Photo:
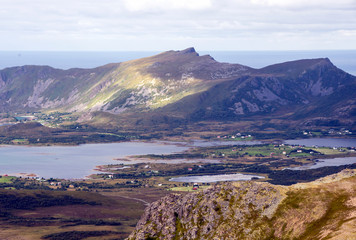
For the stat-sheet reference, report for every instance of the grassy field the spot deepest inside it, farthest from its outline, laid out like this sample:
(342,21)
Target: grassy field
(266,150)
(6,179)
(79,215)
(188,189)
(20,141)
(330,151)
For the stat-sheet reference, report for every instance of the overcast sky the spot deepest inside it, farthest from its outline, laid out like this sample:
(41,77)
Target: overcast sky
(155,25)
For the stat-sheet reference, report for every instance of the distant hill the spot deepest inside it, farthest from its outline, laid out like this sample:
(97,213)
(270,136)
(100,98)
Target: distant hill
(189,87)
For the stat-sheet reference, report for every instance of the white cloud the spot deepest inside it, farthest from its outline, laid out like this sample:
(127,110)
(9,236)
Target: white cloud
(305,3)
(149,5)
(348,33)
(158,24)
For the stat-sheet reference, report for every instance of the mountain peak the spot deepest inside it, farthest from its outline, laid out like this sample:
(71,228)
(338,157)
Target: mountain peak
(182,54)
(297,66)
(325,61)
(188,50)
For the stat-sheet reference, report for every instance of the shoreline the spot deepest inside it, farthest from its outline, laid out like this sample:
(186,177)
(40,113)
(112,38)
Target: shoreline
(187,142)
(134,159)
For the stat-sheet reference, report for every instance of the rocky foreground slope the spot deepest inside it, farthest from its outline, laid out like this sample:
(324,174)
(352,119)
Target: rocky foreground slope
(324,209)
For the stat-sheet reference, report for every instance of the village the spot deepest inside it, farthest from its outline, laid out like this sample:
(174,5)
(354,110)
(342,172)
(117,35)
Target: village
(199,161)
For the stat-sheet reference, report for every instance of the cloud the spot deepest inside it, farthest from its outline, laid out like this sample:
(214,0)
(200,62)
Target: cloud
(349,33)
(154,5)
(305,3)
(156,24)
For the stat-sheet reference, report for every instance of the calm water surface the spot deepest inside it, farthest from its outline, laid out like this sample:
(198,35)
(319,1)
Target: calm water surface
(200,143)
(215,178)
(73,161)
(79,161)
(327,163)
(324,142)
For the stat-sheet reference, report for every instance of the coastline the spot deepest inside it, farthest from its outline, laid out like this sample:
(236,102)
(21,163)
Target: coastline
(135,159)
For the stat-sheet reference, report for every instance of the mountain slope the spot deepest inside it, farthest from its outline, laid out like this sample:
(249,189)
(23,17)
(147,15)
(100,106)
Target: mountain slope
(324,209)
(305,88)
(41,87)
(143,84)
(188,86)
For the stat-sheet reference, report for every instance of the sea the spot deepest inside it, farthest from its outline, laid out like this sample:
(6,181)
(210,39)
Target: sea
(73,162)
(343,59)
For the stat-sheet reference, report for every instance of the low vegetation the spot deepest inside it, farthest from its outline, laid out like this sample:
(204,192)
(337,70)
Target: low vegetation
(318,210)
(53,214)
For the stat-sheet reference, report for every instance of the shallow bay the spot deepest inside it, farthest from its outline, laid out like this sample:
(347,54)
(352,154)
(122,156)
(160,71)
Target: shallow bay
(215,178)
(80,161)
(73,161)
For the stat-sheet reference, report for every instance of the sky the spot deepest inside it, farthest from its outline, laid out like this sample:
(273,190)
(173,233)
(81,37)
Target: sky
(159,25)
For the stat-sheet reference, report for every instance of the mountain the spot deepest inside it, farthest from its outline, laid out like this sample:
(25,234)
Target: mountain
(146,83)
(186,86)
(324,209)
(304,88)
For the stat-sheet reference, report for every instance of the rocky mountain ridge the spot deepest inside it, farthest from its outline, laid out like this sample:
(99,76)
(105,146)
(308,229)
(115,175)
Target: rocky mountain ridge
(184,84)
(143,83)
(250,210)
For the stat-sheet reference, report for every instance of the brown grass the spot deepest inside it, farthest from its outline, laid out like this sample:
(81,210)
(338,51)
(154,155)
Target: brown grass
(123,206)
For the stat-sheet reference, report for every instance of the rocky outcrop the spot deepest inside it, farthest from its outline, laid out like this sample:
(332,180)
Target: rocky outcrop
(251,210)
(221,212)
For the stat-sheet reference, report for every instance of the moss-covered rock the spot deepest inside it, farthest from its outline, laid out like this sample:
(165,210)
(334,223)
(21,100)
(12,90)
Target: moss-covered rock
(249,210)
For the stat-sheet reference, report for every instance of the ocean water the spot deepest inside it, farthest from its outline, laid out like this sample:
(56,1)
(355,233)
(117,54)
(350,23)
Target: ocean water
(73,161)
(79,161)
(343,59)
(332,162)
(66,60)
(215,178)
(323,142)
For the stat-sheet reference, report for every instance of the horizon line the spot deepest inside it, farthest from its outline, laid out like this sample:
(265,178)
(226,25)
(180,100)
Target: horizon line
(202,50)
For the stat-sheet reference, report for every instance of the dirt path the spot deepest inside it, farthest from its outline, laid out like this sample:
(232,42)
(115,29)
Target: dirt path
(137,199)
